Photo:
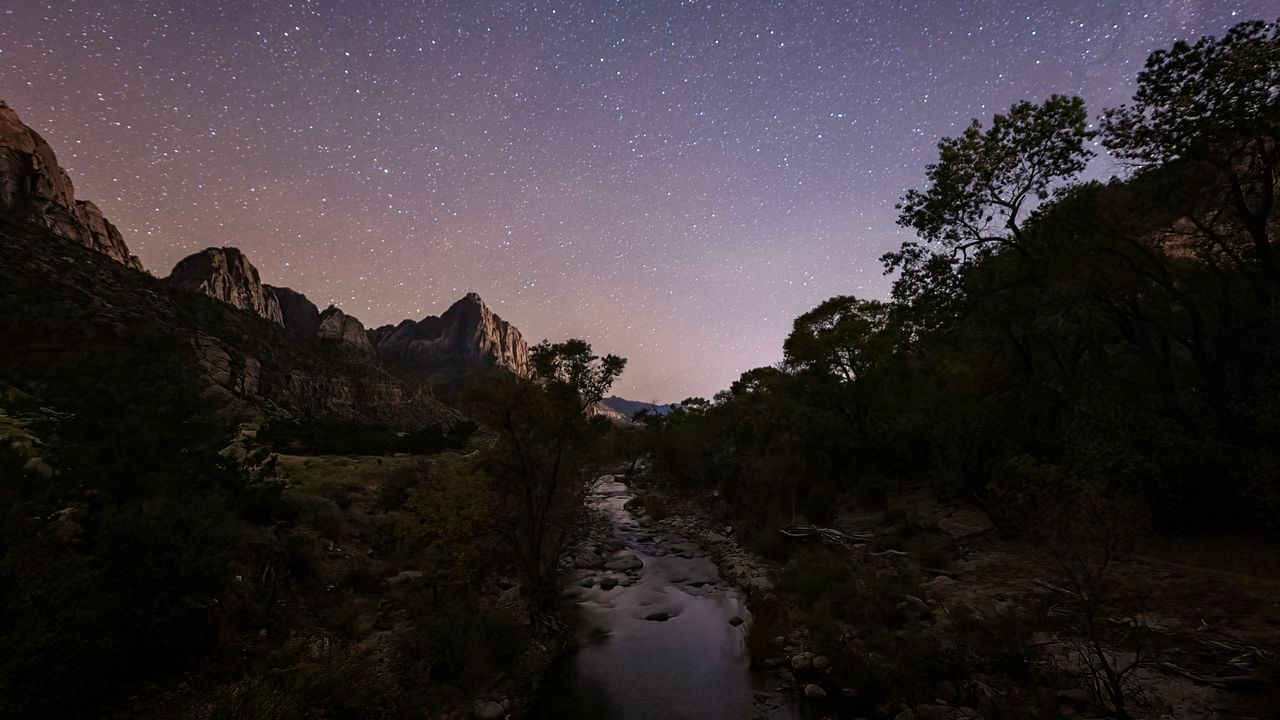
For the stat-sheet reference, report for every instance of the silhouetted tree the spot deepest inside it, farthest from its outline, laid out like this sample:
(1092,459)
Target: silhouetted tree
(541,459)
(1216,105)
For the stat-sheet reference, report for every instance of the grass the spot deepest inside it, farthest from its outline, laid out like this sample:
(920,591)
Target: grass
(338,477)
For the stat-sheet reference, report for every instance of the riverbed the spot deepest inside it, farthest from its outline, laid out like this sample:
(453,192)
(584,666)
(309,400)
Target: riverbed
(661,635)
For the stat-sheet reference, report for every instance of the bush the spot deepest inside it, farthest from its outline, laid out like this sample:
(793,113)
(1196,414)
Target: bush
(345,436)
(998,640)
(315,511)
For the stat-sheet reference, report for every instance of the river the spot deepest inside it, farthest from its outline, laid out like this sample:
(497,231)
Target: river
(665,643)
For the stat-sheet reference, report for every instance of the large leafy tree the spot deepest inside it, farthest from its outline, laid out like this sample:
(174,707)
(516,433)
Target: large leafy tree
(571,367)
(979,192)
(541,459)
(986,180)
(1214,104)
(840,337)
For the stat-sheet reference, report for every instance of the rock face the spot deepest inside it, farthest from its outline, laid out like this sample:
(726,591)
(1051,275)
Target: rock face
(226,274)
(468,336)
(339,327)
(36,190)
(301,316)
(244,368)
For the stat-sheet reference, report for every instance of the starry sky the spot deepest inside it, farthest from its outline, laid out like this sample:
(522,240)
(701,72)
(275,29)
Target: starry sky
(672,181)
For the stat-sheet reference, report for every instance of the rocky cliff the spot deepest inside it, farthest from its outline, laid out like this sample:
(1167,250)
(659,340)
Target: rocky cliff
(301,316)
(92,309)
(319,362)
(226,274)
(467,336)
(34,189)
(339,327)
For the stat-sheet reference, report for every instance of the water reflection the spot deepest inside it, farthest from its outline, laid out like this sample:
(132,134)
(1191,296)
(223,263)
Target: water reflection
(660,644)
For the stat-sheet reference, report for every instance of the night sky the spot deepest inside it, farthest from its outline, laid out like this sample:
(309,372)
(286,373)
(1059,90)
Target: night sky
(672,181)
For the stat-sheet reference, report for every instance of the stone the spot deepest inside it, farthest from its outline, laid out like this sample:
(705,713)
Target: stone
(915,604)
(226,275)
(624,562)
(608,583)
(933,712)
(821,663)
(946,690)
(490,710)
(735,621)
(658,617)
(404,576)
(801,661)
(588,583)
(813,692)
(587,560)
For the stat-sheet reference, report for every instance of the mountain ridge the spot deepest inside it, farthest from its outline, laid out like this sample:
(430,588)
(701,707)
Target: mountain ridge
(258,348)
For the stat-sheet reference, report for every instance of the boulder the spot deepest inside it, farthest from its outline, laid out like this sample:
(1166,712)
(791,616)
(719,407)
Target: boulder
(801,661)
(587,560)
(490,710)
(813,692)
(624,562)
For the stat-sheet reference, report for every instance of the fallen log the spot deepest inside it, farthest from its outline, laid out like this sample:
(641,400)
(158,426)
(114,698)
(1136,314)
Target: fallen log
(831,536)
(1221,681)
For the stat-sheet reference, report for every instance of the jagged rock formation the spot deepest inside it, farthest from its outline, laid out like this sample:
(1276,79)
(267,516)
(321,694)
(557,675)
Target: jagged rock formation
(246,367)
(339,327)
(36,190)
(226,274)
(628,408)
(301,316)
(467,336)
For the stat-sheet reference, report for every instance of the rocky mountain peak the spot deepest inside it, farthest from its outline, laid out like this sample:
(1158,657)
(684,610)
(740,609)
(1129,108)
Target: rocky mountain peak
(36,190)
(226,274)
(339,327)
(467,336)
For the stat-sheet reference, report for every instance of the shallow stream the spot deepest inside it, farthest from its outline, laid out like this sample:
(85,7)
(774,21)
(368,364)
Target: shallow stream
(666,641)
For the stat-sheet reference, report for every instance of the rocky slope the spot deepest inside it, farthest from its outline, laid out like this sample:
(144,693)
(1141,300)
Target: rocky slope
(467,336)
(34,189)
(342,329)
(93,308)
(259,348)
(301,316)
(226,274)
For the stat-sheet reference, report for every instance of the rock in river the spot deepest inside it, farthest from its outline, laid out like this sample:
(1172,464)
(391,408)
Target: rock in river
(813,692)
(624,562)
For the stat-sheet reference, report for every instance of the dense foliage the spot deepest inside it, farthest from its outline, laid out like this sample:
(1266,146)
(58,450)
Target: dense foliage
(1120,335)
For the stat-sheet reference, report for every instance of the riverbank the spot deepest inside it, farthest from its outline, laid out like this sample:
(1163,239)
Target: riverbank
(939,616)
